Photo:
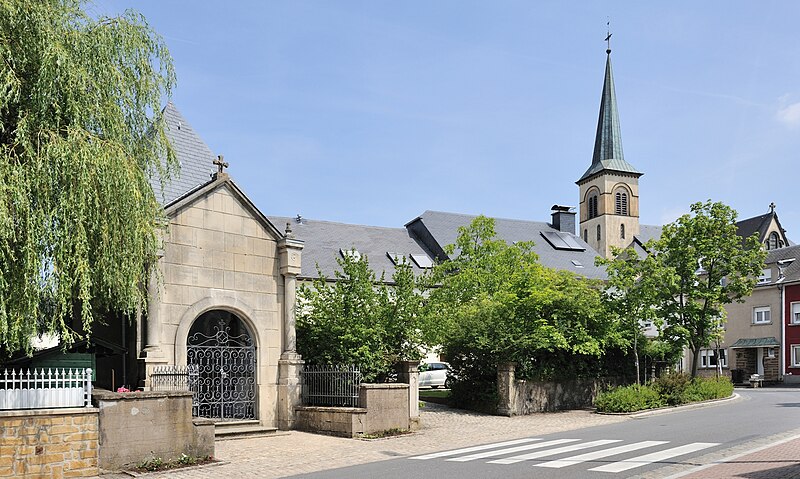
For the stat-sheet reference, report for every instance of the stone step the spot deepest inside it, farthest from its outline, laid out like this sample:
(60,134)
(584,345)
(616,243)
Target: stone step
(242,429)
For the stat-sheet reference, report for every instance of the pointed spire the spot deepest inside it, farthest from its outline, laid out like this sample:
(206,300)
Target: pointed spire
(608,140)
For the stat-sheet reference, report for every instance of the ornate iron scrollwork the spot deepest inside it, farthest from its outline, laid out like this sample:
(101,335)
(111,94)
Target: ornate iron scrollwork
(225,387)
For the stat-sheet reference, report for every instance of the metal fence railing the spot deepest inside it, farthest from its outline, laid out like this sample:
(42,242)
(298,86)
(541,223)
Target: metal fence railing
(45,388)
(177,378)
(329,385)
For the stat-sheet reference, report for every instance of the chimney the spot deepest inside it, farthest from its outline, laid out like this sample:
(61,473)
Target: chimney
(563,218)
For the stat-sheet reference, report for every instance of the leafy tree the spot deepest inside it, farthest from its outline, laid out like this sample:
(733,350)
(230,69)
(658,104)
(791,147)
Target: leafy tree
(697,266)
(499,304)
(79,135)
(628,298)
(358,319)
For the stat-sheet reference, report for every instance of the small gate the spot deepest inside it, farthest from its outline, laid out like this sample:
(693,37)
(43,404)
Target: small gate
(226,366)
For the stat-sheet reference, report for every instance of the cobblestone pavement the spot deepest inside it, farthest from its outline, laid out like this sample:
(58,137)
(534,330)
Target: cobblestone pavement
(773,457)
(442,428)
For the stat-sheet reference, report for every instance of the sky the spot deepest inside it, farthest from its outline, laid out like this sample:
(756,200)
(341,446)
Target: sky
(371,112)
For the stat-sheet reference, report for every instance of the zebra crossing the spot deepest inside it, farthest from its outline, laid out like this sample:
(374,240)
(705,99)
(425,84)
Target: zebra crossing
(532,449)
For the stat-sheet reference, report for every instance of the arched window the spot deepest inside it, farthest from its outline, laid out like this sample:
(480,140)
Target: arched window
(585,235)
(622,231)
(593,206)
(773,242)
(598,232)
(621,203)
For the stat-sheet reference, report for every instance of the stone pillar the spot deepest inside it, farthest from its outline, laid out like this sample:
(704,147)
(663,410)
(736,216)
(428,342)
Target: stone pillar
(409,374)
(290,364)
(152,355)
(506,389)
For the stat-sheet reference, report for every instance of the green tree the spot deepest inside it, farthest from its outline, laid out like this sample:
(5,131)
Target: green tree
(497,303)
(358,319)
(697,266)
(79,137)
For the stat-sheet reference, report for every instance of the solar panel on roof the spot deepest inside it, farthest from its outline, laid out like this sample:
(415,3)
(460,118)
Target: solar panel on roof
(562,241)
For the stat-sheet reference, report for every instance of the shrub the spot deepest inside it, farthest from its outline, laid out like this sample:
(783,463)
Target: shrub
(703,389)
(673,388)
(628,399)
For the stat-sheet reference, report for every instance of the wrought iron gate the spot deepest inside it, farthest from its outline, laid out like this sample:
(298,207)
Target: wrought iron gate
(226,382)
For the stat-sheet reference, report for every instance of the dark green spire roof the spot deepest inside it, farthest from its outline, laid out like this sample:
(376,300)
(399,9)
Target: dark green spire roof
(608,142)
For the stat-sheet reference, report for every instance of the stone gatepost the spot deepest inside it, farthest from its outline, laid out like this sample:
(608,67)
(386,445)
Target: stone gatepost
(290,364)
(409,374)
(506,389)
(152,355)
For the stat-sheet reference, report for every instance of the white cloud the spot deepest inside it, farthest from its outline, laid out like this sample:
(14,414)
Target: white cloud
(790,114)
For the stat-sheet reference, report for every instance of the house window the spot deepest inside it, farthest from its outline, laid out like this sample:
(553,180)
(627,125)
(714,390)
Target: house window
(766,276)
(598,232)
(621,203)
(795,318)
(770,352)
(621,231)
(593,206)
(709,358)
(796,355)
(761,315)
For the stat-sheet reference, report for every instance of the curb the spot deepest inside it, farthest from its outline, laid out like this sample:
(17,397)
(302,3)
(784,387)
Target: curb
(671,409)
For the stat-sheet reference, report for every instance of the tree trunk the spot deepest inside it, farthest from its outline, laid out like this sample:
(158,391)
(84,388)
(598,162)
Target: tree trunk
(695,357)
(636,357)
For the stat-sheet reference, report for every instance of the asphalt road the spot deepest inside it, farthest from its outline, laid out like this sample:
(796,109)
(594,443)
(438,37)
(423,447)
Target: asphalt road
(624,449)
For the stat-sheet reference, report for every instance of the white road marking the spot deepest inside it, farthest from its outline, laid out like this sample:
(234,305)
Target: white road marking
(553,452)
(501,452)
(467,450)
(654,457)
(591,456)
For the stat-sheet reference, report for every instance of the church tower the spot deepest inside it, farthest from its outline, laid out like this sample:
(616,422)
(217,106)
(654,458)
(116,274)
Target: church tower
(609,190)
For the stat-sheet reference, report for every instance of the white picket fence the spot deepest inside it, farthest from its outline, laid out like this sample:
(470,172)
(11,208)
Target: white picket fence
(40,388)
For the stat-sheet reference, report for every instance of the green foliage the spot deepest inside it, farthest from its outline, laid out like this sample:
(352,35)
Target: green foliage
(80,134)
(680,282)
(673,388)
(628,399)
(495,303)
(670,390)
(358,319)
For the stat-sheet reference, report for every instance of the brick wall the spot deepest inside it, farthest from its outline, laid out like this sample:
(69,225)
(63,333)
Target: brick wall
(49,443)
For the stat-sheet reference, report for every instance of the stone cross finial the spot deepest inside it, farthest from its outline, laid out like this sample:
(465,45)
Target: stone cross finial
(772,207)
(221,164)
(288,232)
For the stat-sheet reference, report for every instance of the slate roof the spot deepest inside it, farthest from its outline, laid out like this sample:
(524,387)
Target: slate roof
(792,271)
(324,239)
(194,156)
(437,229)
(608,140)
(646,233)
(756,224)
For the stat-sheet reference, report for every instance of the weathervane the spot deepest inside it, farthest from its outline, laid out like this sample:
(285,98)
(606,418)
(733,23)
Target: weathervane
(608,37)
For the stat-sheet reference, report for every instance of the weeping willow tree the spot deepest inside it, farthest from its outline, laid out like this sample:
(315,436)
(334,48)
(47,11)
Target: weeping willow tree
(80,136)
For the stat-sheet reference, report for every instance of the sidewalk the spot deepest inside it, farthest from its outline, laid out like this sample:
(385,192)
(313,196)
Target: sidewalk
(299,453)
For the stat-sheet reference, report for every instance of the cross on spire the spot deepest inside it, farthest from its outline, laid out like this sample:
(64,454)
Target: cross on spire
(221,164)
(772,207)
(608,37)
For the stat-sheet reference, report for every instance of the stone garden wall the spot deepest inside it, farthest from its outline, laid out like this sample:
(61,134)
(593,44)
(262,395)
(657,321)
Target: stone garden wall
(49,443)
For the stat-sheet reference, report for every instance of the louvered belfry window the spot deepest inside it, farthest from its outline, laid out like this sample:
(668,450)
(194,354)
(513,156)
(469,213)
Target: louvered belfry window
(621,203)
(592,206)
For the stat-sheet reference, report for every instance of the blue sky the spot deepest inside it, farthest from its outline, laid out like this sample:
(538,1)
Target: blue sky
(373,112)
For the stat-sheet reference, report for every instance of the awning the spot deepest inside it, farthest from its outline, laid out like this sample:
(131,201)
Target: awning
(756,343)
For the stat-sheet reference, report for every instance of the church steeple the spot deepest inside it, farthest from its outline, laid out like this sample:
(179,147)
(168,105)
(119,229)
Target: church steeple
(608,140)
(609,189)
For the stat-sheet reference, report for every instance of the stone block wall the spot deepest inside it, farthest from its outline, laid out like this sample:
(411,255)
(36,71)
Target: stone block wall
(384,407)
(136,426)
(49,443)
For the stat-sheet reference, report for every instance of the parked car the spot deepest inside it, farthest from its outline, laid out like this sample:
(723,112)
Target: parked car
(434,375)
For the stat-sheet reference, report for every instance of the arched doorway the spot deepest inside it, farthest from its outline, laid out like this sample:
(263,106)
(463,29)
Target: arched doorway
(220,348)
